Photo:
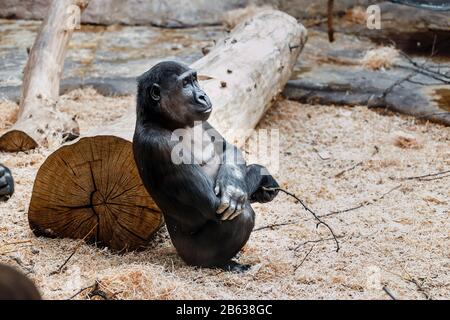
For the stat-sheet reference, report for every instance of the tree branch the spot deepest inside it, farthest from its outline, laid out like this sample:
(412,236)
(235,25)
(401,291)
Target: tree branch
(320,221)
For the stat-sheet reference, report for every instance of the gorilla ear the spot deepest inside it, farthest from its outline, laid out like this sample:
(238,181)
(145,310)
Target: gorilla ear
(155,92)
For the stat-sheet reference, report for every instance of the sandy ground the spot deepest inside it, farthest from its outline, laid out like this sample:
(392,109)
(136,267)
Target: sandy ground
(398,240)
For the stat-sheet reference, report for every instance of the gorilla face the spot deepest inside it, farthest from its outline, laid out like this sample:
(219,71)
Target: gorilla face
(170,90)
(194,98)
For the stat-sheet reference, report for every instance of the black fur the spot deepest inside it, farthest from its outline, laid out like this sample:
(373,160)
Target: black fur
(6,183)
(14,285)
(208,216)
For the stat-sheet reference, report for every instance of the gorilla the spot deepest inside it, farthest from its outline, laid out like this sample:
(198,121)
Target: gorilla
(14,285)
(199,181)
(6,183)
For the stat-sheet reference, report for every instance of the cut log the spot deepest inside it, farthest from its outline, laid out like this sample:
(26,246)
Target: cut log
(39,121)
(93,183)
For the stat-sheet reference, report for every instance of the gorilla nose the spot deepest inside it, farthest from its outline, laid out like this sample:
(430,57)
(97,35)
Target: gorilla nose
(203,99)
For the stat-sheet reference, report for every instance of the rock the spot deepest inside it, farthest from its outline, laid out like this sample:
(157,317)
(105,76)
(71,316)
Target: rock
(334,74)
(170,13)
(10,93)
(302,9)
(118,86)
(167,13)
(443,5)
(413,29)
(103,57)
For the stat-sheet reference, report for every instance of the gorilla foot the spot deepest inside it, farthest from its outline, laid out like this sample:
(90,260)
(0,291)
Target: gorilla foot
(233,266)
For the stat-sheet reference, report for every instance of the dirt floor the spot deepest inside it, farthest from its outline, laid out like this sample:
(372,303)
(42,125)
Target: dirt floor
(333,158)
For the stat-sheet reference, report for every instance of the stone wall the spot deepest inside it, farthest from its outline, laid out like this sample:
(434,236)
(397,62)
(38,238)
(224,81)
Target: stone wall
(169,13)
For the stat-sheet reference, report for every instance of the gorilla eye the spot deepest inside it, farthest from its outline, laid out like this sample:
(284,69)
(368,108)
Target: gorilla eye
(185,82)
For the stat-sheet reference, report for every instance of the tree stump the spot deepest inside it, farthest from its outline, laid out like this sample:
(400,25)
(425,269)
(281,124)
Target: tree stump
(96,186)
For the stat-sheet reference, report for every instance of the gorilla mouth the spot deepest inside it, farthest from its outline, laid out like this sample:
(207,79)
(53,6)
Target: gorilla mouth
(207,110)
(202,109)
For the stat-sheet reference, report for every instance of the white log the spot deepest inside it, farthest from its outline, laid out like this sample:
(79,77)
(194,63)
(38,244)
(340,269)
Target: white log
(38,120)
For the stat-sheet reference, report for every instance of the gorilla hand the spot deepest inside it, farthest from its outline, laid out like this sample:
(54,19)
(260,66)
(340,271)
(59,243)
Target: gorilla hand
(261,195)
(6,183)
(231,187)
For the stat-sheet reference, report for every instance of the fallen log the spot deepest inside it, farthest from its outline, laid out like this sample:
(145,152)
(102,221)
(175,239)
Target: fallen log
(39,121)
(93,183)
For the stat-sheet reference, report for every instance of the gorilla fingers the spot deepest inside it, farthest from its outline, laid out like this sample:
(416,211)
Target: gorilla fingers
(232,190)
(230,184)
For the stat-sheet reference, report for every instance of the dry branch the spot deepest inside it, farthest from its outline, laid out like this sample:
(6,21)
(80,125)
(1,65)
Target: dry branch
(425,176)
(319,221)
(362,204)
(275,225)
(73,253)
(389,293)
(95,180)
(304,258)
(314,241)
(330,5)
(39,122)
(357,164)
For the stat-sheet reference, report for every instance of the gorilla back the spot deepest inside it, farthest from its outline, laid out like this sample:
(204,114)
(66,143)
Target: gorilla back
(202,185)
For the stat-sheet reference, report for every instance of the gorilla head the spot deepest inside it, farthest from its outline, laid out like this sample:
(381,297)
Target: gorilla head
(170,94)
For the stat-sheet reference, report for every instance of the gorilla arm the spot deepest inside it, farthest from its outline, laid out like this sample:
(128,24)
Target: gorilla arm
(192,189)
(230,182)
(177,186)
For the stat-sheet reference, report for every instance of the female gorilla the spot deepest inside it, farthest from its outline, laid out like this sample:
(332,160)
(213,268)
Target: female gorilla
(199,181)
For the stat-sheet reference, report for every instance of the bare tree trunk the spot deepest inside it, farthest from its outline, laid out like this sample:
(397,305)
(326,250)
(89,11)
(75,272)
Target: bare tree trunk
(94,183)
(39,122)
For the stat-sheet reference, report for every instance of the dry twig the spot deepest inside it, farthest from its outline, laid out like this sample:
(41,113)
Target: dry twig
(314,241)
(80,291)
(274,225)
(330,6)
(427,71)
(310,211)
(363,204)
(74,251)
(358,164)
(304,258)
(97,292)
(10,244)
(389,293)
(423,177)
